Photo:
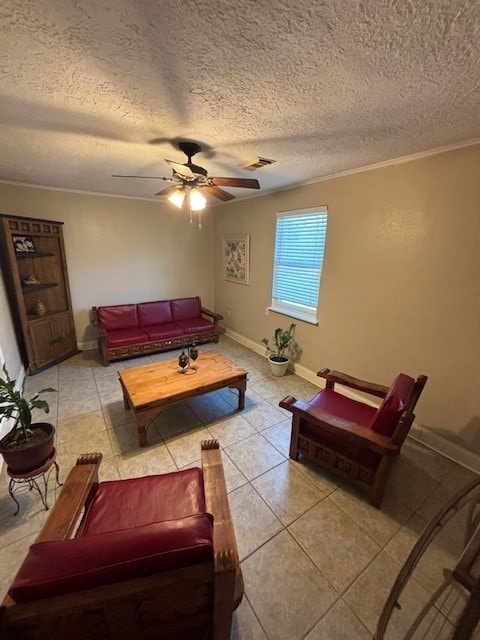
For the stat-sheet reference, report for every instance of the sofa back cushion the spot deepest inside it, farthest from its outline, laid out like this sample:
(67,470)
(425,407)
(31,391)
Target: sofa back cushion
(120,316)
(186,308)
(151,313)
(386,418)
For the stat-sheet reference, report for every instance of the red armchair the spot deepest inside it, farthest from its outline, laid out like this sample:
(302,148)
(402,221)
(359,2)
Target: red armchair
(152,557)
(354,440)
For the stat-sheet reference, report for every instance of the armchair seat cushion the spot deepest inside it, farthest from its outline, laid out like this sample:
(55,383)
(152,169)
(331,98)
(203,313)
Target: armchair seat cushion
(163,331)
(125,337)
(195,324)
(63,566)
(345,408)
(161,497)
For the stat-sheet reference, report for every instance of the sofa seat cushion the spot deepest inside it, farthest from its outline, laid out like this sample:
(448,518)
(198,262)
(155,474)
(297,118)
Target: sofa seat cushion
(186,308)
(59,567)
(163,331)
(152,313)
(125,337)
(195,324)
(345,408)
(162,497)
(121,316)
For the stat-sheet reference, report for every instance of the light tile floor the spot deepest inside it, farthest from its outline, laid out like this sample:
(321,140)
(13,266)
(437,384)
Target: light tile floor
(318,560)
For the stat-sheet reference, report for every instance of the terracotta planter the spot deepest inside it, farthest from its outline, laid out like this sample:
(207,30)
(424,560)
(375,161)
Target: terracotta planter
(25,459)
(278,365)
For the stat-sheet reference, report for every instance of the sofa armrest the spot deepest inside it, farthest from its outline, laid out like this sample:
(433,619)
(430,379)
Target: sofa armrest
(349,431)
(212,314)
(333,377)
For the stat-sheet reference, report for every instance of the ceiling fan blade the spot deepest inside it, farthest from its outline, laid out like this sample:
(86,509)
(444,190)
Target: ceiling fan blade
(167,191)
(181,169)
(218,193)
(245,183)
(115,175)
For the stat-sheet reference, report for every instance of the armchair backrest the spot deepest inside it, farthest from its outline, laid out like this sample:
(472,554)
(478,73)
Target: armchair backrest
(394,404)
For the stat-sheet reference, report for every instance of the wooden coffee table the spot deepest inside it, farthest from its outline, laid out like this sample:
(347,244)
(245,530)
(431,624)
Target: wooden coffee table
(150,388)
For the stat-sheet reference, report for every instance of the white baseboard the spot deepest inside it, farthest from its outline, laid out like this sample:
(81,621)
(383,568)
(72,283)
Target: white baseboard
(87,346)
(428,438)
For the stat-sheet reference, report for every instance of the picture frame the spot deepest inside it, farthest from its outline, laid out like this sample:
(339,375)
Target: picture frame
(236,259)
(23,244)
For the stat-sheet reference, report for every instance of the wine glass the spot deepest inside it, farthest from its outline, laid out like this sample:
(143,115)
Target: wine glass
(193,353)
(183,360)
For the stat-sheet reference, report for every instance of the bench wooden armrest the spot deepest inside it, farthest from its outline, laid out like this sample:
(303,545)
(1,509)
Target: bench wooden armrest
(333,377)
(212,314)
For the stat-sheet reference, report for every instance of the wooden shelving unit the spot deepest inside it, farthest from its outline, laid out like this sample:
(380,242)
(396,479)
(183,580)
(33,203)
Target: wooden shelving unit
(43,339)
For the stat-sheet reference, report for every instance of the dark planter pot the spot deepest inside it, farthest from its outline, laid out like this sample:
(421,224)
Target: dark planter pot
(32,457)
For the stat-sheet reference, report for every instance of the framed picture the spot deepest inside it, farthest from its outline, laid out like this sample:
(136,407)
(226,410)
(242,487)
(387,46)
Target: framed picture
(236,259)
(23,244)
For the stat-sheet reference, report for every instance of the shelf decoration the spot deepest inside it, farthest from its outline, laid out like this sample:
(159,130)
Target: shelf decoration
(236,251)
(23,244)
(40,308)
(32,279)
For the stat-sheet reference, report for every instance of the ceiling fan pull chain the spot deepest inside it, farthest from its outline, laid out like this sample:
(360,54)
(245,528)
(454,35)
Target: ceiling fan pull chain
(200,220)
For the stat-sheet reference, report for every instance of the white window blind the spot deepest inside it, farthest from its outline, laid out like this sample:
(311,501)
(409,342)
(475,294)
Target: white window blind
(299,251)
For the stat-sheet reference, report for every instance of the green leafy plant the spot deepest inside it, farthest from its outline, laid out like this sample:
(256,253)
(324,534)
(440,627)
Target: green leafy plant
(13,404)
(281,339)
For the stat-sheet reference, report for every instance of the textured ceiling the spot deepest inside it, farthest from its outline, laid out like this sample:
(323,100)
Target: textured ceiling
(94,87)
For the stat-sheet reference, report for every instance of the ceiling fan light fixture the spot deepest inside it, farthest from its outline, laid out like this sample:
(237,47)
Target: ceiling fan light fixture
(197,200)
(177,198)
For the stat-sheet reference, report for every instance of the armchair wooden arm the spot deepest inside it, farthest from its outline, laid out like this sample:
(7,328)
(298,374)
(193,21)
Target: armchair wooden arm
(74,497)
(349,431)
(333,377)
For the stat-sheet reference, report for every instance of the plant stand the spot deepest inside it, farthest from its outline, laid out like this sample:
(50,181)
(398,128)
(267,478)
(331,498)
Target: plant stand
(30,478)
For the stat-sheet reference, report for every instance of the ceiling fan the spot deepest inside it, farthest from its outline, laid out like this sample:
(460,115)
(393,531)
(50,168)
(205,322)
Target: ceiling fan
(189,178)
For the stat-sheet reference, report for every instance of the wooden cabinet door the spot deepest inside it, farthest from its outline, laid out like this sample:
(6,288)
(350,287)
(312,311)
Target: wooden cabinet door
(63,335)
(52,338)
(41,342)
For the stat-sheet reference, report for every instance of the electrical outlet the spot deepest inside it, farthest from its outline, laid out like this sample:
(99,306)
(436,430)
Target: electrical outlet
(228,313)
(266,311)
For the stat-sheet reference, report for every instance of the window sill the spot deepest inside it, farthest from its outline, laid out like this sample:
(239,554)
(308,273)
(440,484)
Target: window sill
(296,316)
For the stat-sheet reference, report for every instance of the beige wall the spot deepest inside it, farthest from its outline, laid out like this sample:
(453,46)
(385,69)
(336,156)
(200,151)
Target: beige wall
(401,282)
(120,250)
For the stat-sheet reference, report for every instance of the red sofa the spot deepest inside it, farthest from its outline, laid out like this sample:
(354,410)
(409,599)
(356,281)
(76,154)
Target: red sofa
(127,330)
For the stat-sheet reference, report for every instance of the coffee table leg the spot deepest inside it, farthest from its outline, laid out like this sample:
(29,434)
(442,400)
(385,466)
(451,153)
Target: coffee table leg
(125,402)
(241,399)
(142,431)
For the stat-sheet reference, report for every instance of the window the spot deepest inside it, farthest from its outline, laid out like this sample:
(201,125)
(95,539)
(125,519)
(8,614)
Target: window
(297,269)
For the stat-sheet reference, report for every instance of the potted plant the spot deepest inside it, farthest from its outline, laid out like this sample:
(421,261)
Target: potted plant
(28,444)
(277,358)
